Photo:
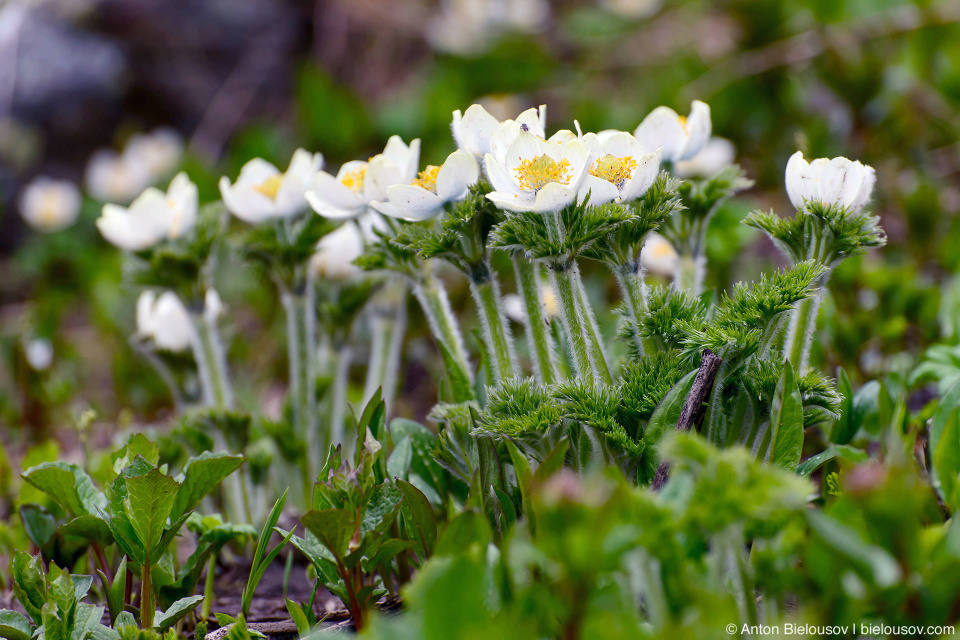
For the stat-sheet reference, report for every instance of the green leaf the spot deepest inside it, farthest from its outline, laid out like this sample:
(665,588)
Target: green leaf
(29,583)
(398,464)
(116,591)
(148,504)
(332,527)
(833,452)
(14,625)
(138,445)
(385,552)
(69,486)
(949,403)
(883,568)
(176,611)
(38,523)
(223,619)
(664,420)
(419,513)
(786,422)
(298,616)
(946,460)
(87,621)
(381,510)
(552,463)
(844,427)
(92,528)
(200,475)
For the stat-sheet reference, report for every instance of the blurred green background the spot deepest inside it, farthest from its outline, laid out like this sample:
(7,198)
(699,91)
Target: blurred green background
(874,80)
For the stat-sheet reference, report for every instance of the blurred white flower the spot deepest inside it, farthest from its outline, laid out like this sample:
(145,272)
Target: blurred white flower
(359,183)
(680,137)
(468,27)
(212,306)
(632,9)
(479,133)
(164,320)
(619,169)
(513,304)
(836,181)
(50,205)
(433,188)
(152,217)
(39,354)
(537,175)
(112,177)
(715,156)
(659,256)
(336,252)
(262,192)
(160,151)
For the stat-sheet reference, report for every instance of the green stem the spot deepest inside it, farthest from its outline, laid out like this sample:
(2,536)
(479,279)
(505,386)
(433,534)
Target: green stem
(496,331)
(147,605)
(341,383)
(301,347)
(572,319)
(803,322)
(630,278)
(432,297)
(208,588)
(598,359)
(691,270)
(535,325)
(388,327)
(211,363)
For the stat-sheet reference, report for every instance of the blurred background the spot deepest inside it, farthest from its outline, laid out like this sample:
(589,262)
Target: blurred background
(208,84)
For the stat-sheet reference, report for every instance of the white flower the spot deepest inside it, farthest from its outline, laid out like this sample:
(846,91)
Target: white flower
(537,175)
(262,192)
(659,256)
(336,252)
(112,177)
(467,27)
(39,354)
(433,188)
(152,217)
(164,320)
(513,304)
(479,133)
(836,181)
(359,183)
(680,137)
(715,156)
(633,9)
(212,306)
(619,169)
(50,205)
(160,151)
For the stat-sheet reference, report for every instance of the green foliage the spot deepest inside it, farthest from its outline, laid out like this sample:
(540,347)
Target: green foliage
(282,249)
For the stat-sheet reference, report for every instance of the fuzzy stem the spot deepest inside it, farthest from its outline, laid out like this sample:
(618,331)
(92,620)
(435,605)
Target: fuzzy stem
(301,347)
(572,320)
(496,331)
(341,383)
(691,270)
(217,357)
(208,588)
(388,328)
(432,297)
(803,323)
(598,359)
(630,278)
(535,324)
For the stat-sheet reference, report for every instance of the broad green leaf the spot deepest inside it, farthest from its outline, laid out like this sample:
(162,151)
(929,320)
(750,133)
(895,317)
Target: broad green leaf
(552,463)
(200,475)
(468,529)
(332,527)
(138,445)
(92,528)
(844,427)
(238,630)
(176,611)
(420,517)
(664,420)
(786,422)
(14,625)
(946,460)
(506,508)
(149,501)
(883,568)
(948,404)
(298,616)
(29,583)
(38,523)
(381,510)
(833,452)
(385,552)
(87,621)
(398,464)
(68,485)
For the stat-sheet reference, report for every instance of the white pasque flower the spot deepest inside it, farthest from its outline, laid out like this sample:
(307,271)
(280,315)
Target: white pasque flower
(680,137)
(536,174)
(832,181)
(715,156)
(263,192)
(433,188)
(152,217)
(468,27)
(50,205)
(479,133)
(39,353)
(358,183)
(619,169)
(336,252)
(164,320)
(160,151)
(114,177)
(659,256)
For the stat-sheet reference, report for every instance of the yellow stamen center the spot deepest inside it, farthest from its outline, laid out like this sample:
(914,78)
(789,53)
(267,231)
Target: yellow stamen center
(427,179)
(533,175)
(353,180)
(270,186)
(614,169)
(683,123)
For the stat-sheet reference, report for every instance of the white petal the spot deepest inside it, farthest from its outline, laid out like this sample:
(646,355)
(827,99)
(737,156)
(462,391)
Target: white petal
(800,181)
(328,193)
(840,182)
(662,129)
(500,178)
(698,129)
(145,324)
(512,201)
(553,197)
(474,131)
(599,190)
(535,123)
(643,177)
(714,157)
(245,203)
(382,172)
(183,203)
(456,175)
(413,203)
(290,200)
(866,187)
(562,136)
(621,144)
(173,329)
(526,147)
(256,171)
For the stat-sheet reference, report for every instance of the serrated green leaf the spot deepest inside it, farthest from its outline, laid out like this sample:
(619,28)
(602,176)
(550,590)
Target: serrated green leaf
(14,625)
(150,499)
(38,523)
(200,475)
(68,485)
(29,583)
(332,527)
(381,510)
